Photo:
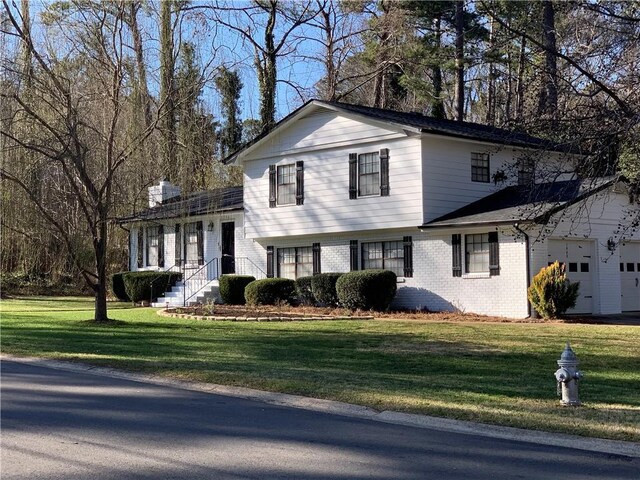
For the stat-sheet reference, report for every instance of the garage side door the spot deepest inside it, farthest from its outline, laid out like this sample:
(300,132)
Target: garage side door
(630,276)
(578,257)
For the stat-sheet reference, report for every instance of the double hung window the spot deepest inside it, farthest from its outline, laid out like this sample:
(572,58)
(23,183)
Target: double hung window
(386,255)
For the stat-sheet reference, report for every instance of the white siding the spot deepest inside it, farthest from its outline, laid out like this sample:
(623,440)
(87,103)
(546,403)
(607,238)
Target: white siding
(446,172)
(320,130)
(327,207)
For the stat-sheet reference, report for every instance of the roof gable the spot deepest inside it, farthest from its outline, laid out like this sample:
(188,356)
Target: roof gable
(403,121)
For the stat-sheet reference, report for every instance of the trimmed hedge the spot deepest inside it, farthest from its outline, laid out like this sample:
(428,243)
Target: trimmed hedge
(270,291)
(138,284)
(232,288)
(367,289)
(303,291)
(118,288)
(323,288)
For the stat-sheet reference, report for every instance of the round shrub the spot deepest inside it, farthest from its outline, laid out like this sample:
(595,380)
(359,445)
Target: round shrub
(142,286)
(551,293)
(232,288)
(270,291)
(117,287)
(367,289)
(323,288)
(303,291)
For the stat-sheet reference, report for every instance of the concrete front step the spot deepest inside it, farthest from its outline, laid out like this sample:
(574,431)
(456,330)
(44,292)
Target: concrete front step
(175,296)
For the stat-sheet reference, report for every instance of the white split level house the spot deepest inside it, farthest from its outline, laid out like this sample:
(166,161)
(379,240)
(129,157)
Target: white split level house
(463,213)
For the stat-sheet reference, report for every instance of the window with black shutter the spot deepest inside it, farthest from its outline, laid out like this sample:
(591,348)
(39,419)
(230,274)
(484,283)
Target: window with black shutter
(299,182)
(494,254)
(456,248)
(140,251)
(353,255)
(316,259)
(269,262)
(408,256)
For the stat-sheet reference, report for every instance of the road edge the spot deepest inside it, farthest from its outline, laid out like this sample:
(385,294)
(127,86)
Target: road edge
(610,447)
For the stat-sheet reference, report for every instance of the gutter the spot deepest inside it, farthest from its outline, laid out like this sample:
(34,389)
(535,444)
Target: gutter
(516,225)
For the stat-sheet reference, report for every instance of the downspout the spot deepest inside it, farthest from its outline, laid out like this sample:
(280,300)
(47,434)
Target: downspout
(516,226)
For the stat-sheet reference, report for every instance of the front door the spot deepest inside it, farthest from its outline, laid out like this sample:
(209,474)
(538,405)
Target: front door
(228,248)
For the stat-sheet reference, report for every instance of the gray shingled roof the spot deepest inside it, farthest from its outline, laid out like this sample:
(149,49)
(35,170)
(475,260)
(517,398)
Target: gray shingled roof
(452,128)
(199,203)
(522,204)
(426,124)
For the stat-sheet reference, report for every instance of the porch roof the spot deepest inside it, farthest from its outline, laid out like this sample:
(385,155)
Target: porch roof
(198,203)
(522,204)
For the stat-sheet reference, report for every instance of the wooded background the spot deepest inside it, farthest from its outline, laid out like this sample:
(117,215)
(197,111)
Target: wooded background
(102,99)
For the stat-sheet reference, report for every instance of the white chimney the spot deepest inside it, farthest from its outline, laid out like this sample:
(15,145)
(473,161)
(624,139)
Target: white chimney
(159,194)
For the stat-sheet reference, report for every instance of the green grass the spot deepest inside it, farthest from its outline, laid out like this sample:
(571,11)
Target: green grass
(491,373)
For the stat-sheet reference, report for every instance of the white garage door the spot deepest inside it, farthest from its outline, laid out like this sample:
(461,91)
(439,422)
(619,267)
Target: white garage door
(630,276)
(578,257)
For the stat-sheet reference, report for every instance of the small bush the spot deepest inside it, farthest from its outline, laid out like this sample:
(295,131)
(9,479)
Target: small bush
(138,284)
(323,288)
(118,288)
(551,293)
(232,288)
(270,291)
(367,289)
(303,291)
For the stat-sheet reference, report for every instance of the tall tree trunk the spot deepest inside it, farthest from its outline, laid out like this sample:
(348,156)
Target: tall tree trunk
(267,74)
(459,19)
(520,84)
(100,247)
(145,99)
(167,91)
(437,104)
(491,80)
(548,104)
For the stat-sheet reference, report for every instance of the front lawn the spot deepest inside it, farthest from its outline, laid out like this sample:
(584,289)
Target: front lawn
(500,373)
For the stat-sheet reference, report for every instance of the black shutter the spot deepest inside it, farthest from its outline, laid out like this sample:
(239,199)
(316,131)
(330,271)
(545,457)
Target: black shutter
(353,175)
(129,251)
(140,248)
(146,247)
(494,254)
(384,172)
(161,246)
(299,182)
(269,262)
(200,243)
(272,186)
(316,259)
(178,246)
(408,256)
(456,244)
(353,254)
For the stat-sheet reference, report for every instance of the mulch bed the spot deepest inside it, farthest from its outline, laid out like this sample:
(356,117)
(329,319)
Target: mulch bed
(264,313)
(289,313)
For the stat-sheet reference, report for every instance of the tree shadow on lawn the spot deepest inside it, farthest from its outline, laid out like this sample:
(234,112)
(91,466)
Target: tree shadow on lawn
(394,364)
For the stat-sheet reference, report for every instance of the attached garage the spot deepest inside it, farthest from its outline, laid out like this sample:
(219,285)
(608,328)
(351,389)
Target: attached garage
(630,276)
(578,256)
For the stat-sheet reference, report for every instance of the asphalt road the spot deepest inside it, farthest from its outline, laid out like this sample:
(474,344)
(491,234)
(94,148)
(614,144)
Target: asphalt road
(68,425)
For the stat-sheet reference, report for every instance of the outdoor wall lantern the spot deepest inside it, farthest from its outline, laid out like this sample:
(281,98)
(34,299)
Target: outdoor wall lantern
(211,226)
(611,244)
